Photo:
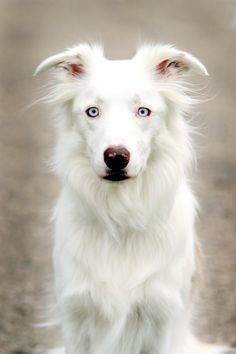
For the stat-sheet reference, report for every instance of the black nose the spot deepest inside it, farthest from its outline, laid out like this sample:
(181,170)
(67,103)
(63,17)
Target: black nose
(116,157)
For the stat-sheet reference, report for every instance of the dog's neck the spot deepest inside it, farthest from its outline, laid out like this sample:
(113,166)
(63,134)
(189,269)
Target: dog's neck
(127,206)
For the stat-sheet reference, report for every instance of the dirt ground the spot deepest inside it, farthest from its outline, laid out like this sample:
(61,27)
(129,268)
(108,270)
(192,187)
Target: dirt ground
(31,30)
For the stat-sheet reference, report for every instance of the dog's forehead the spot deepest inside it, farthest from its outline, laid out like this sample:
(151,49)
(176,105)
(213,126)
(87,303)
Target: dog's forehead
(125,76)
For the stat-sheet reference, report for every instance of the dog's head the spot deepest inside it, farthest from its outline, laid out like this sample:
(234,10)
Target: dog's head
(116,113)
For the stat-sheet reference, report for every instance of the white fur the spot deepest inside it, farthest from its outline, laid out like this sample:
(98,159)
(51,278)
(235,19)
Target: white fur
(124,251)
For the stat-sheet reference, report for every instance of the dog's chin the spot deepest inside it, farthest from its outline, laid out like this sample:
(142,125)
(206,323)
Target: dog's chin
(116,176)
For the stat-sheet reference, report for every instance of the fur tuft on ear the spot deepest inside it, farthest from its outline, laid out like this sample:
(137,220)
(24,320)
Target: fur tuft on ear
(73,60)
(62,60)
(170,62)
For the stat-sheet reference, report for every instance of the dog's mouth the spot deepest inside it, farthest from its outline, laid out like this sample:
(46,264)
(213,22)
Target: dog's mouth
(116,176)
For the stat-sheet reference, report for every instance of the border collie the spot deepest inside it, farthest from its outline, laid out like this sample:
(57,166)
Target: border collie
(124,254)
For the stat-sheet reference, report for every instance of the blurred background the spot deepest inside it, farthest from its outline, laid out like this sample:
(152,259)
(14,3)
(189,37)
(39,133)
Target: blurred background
(31,30)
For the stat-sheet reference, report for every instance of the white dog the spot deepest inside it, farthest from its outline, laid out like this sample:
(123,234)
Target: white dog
(124,251)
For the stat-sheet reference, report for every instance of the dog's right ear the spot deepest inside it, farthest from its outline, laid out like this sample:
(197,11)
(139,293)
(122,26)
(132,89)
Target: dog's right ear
(73,60)
(62,60)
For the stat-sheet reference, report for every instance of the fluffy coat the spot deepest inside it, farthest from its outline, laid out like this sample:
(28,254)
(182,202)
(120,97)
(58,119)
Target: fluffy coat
(124,254)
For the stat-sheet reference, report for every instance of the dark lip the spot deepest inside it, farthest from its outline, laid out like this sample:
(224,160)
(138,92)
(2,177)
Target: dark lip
(116,176)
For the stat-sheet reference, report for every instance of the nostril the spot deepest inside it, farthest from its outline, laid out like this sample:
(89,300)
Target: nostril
(116,157)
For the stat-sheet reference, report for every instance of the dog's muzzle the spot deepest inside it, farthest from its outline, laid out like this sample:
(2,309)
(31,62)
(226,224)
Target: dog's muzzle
(116,158)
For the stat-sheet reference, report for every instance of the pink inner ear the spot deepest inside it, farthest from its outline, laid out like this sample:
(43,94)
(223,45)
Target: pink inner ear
(163,66)
(168,66)
(75,69)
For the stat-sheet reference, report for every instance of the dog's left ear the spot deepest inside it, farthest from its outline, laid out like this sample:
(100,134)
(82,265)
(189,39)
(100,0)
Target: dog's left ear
(169,62)
(180,63)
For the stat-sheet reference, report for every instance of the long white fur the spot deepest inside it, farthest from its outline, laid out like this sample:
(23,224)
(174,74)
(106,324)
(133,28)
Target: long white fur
(124,251)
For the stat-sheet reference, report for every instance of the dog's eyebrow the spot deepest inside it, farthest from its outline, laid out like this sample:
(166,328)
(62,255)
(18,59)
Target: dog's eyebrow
(99,101)
(137,99)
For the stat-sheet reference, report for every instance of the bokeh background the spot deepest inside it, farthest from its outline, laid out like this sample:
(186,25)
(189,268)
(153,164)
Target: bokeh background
(31,30)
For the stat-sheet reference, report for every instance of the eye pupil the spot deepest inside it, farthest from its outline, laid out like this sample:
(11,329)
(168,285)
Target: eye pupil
(92,112)
(144,112)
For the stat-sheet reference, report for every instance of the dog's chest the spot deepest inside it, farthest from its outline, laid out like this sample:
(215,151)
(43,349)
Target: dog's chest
(125,288)
(148,267)
(117,279)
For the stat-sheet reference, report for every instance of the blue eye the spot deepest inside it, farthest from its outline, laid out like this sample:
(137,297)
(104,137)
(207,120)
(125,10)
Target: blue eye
(144,112)
(92,112)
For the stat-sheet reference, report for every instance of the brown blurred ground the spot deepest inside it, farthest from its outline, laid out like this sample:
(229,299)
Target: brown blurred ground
(30,30)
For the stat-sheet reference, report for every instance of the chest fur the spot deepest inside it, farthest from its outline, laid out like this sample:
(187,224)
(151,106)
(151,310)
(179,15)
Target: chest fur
(117,277)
